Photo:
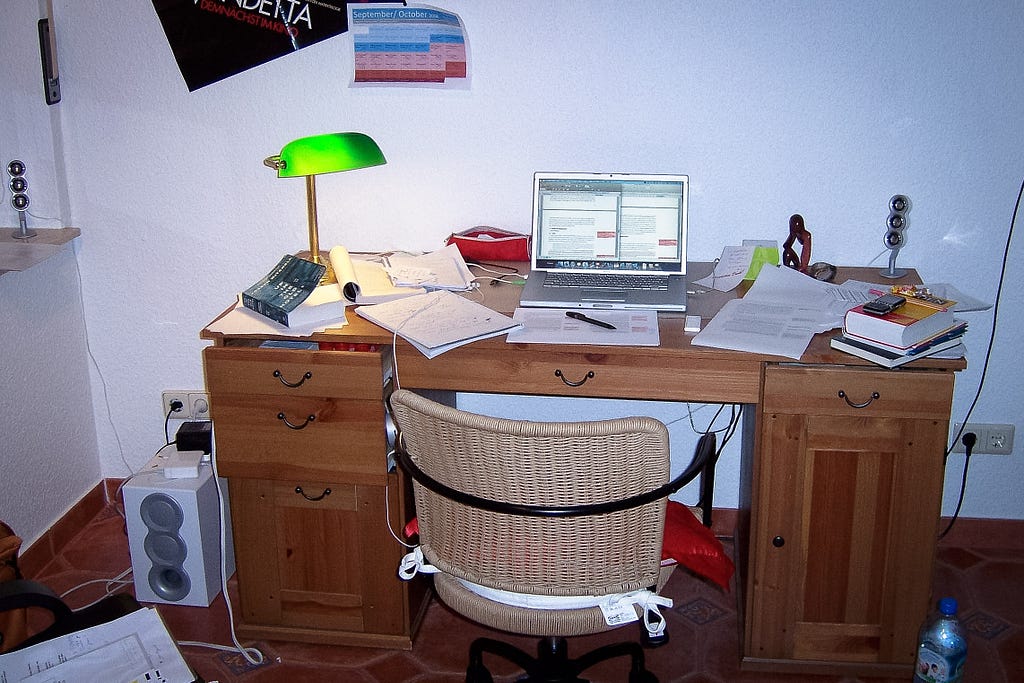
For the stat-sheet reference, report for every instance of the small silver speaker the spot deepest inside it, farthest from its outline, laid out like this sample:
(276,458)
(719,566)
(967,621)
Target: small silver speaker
(19,197)
(894,239)
(174,537)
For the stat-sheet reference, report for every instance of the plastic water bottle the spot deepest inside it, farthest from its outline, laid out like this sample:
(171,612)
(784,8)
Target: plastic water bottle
(942,648)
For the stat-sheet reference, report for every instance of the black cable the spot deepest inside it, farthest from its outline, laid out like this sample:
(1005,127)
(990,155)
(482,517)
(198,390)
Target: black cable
(984,368)
(969,439)
(167,420)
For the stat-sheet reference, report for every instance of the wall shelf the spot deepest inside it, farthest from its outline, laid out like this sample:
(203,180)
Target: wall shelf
(18,254)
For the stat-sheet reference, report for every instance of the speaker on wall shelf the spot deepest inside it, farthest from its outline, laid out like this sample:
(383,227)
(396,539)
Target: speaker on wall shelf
(19,197)
(174,537)
(893,239)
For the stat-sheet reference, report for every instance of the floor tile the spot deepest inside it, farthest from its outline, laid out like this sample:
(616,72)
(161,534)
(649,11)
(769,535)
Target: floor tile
(703,626)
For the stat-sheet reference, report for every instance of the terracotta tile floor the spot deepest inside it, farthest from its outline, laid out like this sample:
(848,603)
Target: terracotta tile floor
(989,583)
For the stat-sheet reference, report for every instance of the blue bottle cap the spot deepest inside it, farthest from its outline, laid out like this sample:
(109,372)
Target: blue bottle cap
(948,606)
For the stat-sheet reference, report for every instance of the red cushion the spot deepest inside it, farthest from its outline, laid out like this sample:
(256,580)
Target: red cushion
(694,546)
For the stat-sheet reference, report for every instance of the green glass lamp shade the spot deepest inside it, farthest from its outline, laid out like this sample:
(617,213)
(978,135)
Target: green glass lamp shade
(326,153)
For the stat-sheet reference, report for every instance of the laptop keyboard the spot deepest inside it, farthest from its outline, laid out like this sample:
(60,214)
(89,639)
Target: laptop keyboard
(605,281)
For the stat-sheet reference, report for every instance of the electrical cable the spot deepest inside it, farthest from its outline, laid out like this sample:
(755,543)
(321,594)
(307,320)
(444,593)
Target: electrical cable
(112,586)
(969,440)
(394,338)
(988,355)
(387,517)
(167,420)
(251,654)
(96,365)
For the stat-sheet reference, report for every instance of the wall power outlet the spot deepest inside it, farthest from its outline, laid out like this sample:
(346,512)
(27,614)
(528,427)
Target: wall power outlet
(993,439)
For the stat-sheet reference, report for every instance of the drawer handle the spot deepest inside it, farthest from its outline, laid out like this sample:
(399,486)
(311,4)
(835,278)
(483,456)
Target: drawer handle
(312,499)
(778,541)
(865,404)
(569,382)
(290,425)
(308,375)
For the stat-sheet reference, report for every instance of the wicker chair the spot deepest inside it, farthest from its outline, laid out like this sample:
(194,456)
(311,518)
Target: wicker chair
(528,525)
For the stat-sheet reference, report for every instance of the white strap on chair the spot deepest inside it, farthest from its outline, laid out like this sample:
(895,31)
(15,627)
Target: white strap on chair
(621,609)
(617,608)
(414,563)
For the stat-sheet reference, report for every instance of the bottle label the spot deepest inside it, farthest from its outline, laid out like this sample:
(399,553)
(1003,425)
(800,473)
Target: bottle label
(934,668)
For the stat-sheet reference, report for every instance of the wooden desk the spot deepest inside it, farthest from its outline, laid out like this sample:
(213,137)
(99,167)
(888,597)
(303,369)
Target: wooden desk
(841,480)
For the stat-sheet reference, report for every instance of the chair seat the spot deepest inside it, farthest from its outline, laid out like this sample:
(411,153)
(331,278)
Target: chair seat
(523,620)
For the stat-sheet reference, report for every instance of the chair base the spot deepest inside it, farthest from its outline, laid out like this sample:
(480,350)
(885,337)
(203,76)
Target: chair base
(552,663)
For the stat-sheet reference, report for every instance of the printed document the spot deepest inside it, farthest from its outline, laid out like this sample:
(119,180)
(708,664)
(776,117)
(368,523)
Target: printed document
(780,314)
(135,647)
(551,326)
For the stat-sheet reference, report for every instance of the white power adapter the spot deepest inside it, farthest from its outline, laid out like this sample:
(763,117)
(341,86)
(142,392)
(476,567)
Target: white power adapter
(182,465)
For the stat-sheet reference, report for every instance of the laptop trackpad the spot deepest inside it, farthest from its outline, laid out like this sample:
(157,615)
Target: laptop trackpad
(603,295)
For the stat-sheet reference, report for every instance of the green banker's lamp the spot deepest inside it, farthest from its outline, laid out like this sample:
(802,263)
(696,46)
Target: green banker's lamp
(329,153)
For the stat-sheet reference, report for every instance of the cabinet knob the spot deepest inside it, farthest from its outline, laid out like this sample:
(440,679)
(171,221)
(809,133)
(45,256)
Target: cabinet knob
(778,541)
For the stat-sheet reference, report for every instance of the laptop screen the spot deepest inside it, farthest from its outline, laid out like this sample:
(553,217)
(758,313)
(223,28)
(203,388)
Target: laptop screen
(607,222)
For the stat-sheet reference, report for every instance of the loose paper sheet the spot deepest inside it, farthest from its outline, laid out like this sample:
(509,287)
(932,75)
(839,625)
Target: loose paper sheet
(241,320)
(551,326)
(438,321)
(134,647)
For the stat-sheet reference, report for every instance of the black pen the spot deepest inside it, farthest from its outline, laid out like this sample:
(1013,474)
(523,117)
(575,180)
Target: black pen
(576,315)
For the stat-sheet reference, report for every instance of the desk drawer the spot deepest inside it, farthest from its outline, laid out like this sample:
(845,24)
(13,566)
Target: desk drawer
(275,437)
(293,372)
(867,392)
(619,373)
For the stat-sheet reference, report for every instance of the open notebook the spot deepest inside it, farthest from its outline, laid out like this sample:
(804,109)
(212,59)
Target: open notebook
(608,240)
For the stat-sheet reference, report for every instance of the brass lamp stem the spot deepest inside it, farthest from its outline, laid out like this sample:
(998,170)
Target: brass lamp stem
(314,236)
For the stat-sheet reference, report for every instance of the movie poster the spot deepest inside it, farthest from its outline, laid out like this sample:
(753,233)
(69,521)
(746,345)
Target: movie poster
(214,39)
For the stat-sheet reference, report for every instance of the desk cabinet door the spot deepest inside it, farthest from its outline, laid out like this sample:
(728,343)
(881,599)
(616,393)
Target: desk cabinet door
(319,564)
(848,491)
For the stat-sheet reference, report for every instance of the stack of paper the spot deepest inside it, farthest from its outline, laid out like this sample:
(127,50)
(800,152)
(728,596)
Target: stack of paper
(438,321)
(366,282)
(441,269)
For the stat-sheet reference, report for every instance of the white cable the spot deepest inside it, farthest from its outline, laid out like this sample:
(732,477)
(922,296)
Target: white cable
(387,519)
(394,338)
(251,654)
(103,381)
(112,586)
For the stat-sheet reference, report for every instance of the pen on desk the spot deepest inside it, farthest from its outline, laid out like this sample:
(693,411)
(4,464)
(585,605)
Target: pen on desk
(576,315)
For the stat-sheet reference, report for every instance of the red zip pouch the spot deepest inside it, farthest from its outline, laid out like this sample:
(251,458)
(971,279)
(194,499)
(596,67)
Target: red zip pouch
(484,243)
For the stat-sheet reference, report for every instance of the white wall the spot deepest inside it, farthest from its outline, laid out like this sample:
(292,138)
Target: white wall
(48,452)
(826,109)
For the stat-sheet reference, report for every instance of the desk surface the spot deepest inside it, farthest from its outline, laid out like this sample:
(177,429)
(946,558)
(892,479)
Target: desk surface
(675,370)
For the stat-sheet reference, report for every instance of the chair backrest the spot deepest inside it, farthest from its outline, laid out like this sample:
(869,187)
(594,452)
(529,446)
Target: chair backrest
(537,463)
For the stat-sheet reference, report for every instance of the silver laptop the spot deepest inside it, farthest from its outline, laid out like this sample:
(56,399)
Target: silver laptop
(608,240)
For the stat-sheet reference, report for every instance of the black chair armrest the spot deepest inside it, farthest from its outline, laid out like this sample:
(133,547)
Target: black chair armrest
(703,455)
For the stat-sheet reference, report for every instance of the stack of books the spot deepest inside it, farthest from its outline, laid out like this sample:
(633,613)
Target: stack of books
(917,329)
